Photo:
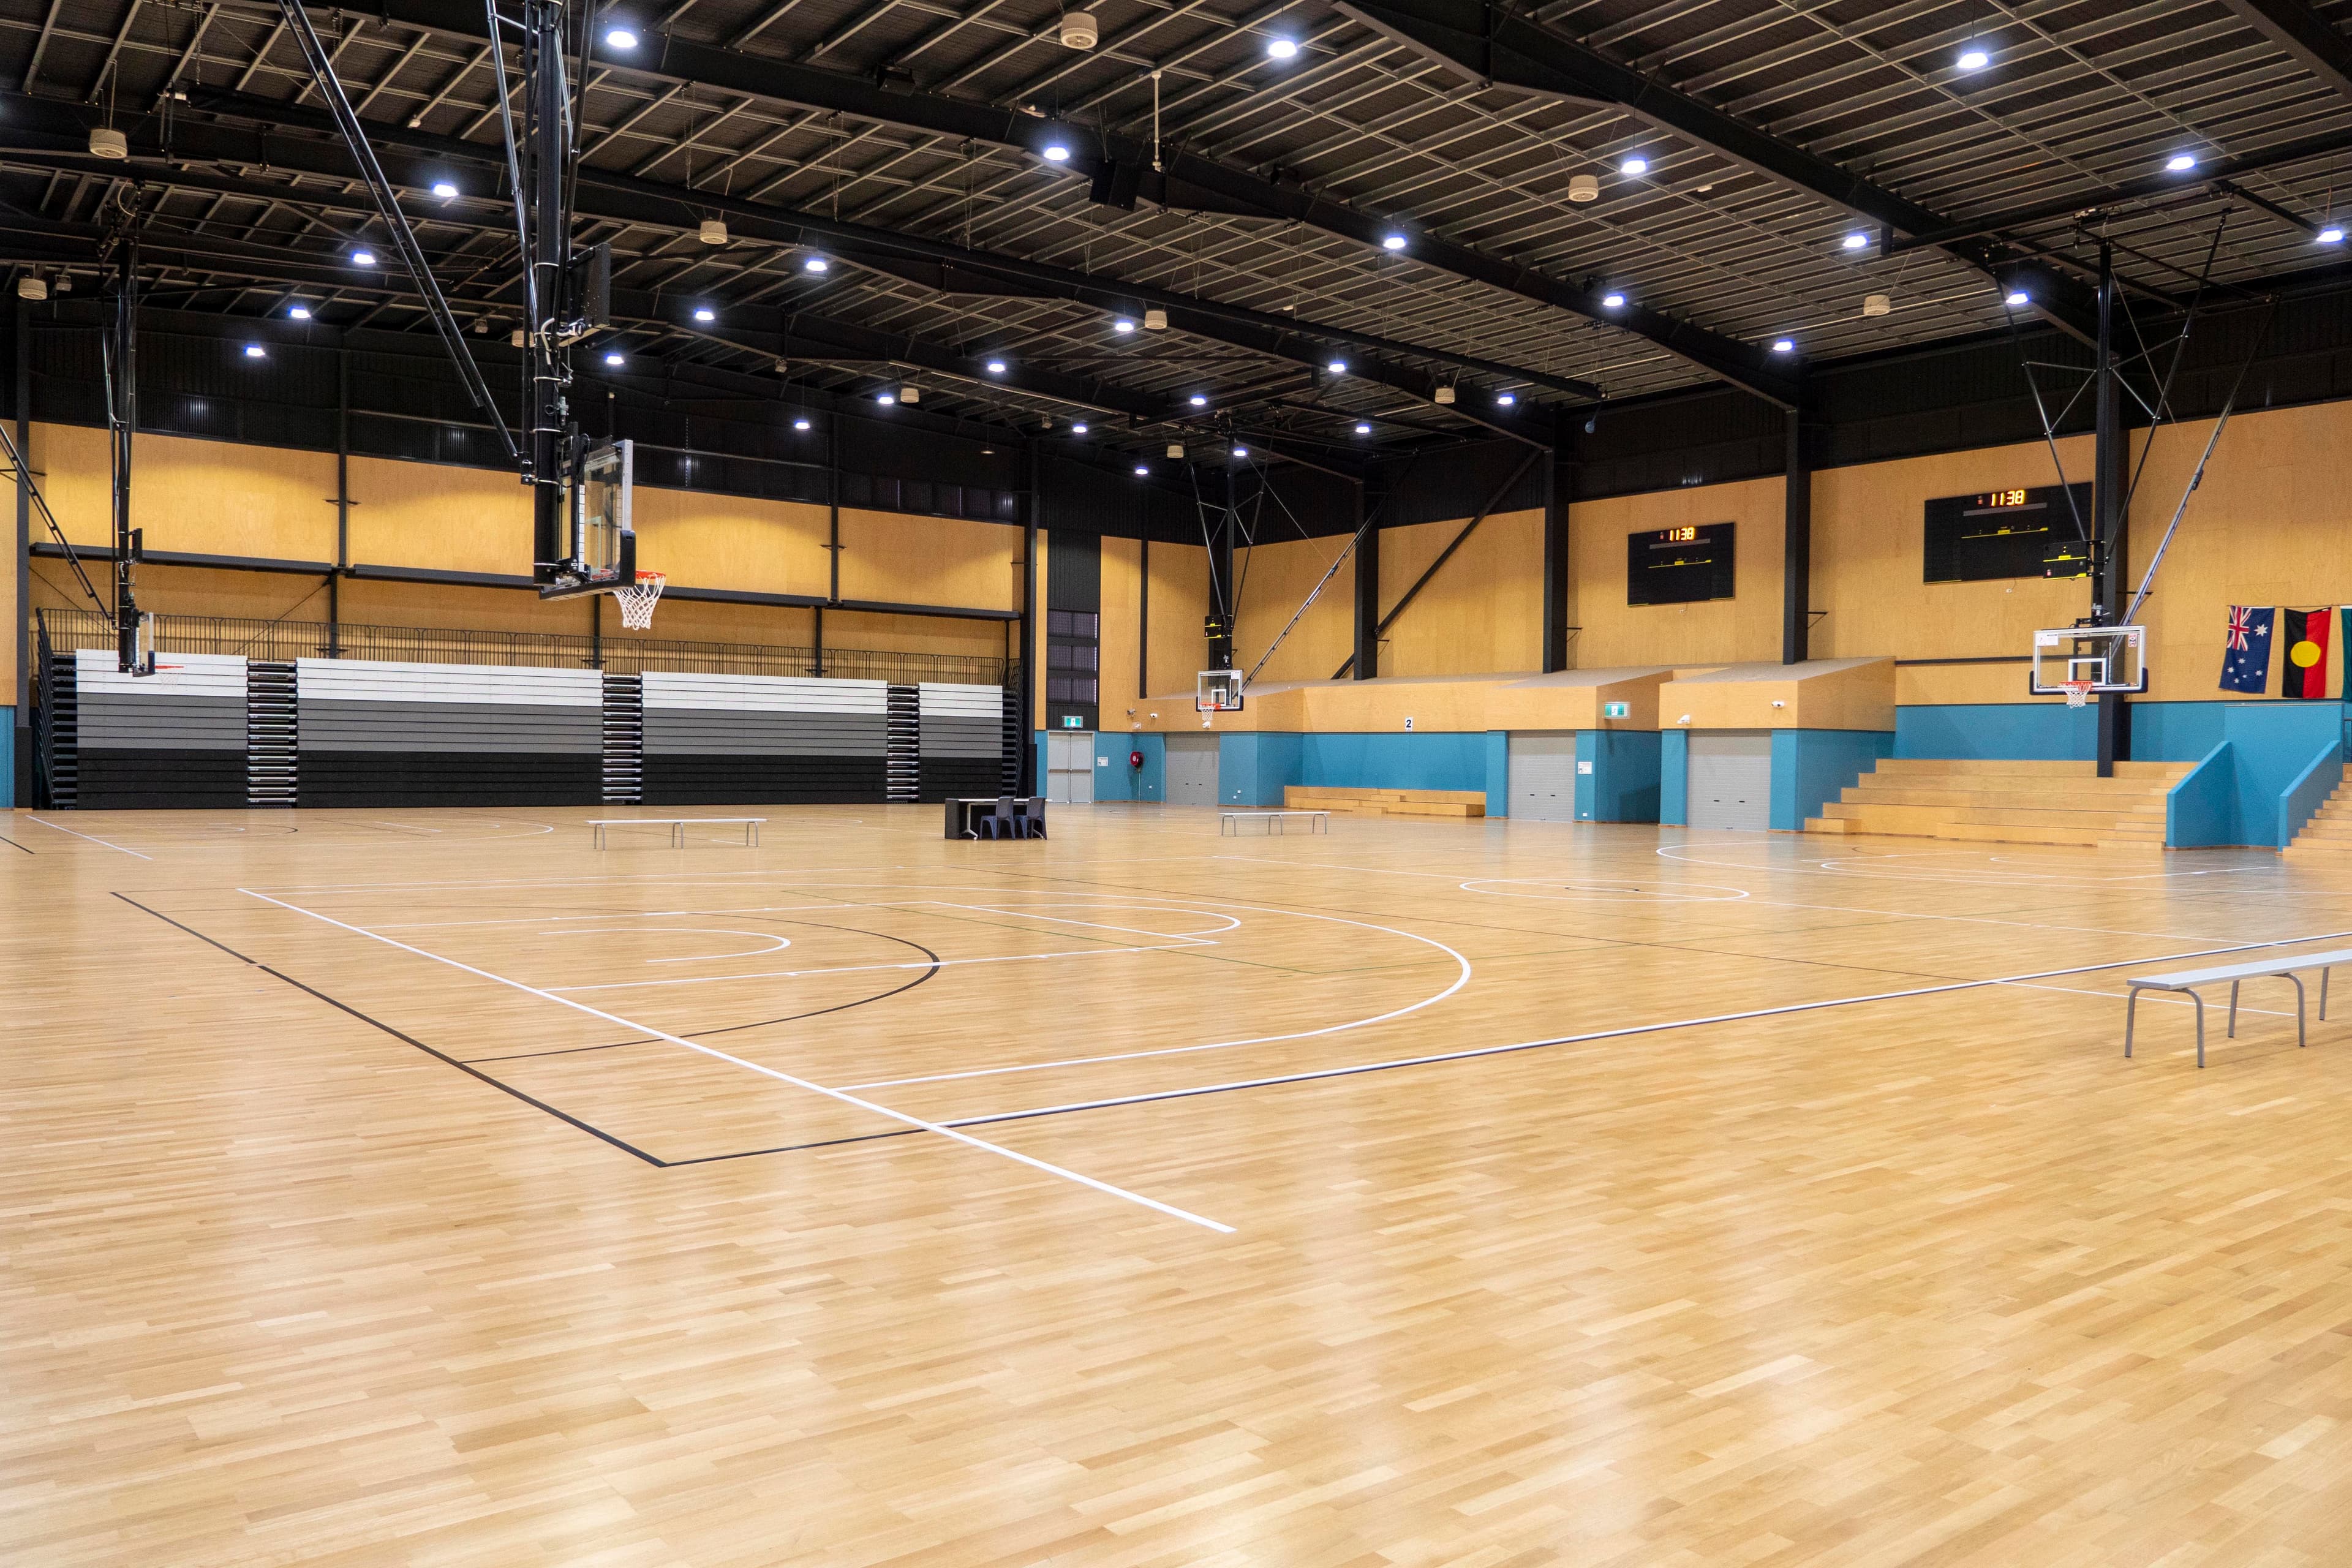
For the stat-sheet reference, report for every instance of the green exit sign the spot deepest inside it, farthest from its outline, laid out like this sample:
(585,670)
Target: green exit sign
(1073,721)
(1615,709)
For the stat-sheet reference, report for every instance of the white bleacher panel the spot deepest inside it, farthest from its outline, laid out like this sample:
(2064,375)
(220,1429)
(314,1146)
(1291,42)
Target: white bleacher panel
(751,739)
(963,742)
(175,738)
(376,733)
(765,693)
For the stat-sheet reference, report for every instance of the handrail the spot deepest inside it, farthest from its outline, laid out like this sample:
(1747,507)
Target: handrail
(2310,790)
(280,641)
(2197,809)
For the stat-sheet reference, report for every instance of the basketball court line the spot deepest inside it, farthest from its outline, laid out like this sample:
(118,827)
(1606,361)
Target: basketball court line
(12,843)
(861,968)
(848,1098)
(1435,1058)
(117,847)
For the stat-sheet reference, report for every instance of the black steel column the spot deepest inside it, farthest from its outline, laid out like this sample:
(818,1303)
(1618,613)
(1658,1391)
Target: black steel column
(1368,590)
(122,433)
(1560,476)
(24,753)
(1220,630)
(1797,547)
(818,638)
(546,262)
(2109,542)
(343,501)
(1029,508)
(833,505)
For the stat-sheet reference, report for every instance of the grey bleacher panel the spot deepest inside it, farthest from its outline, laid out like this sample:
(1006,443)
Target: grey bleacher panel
(963,737)
(328,725)
(748,732)
(163,722)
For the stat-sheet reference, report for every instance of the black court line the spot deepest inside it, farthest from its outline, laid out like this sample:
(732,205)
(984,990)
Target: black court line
(12,843)
(764,1023)
(795,1148)
(564,1116)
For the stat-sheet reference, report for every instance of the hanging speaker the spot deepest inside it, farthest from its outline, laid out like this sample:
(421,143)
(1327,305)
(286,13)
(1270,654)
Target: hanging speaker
(712,232)
(1081,31)
(1155,321)
(105,143)
(1583,188)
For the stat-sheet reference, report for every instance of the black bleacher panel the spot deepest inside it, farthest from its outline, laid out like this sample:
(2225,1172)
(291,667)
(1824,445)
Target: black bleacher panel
(753,739)
(962,740)
(383,734)
(173,739)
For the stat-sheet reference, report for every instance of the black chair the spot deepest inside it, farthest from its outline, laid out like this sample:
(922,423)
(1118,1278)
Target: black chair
(1000,823)
(1033,817)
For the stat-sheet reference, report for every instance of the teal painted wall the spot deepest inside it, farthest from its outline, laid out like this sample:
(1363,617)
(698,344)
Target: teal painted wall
(8,758)
(2198,810)
(1810,767)
(1624,786)
(1498,772)
(2012,731)
(1114,780)
(1253,769)
(1673,777)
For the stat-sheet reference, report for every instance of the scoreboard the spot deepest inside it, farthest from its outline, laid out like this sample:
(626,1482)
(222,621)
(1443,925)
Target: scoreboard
(1680,565)
(2040,533)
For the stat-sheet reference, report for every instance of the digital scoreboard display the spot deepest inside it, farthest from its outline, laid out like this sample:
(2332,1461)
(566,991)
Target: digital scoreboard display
(1680,565)
(2039,532)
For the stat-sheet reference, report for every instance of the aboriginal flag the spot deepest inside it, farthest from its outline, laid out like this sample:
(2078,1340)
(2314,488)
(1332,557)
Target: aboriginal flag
(2303,635)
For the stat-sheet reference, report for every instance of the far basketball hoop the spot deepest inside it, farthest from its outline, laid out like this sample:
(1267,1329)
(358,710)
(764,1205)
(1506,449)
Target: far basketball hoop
(637,602)
(1219,691)
(2075,662)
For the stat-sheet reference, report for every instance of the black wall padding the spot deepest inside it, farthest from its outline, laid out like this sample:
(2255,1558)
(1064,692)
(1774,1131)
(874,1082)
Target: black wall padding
(132,779)
(445,778)
(965,778)
(676,779)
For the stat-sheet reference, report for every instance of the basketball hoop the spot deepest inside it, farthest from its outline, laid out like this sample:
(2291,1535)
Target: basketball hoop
(637,602)
(2078,692)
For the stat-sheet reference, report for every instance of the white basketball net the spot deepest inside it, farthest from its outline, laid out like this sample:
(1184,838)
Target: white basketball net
(2078,692)
(637,603)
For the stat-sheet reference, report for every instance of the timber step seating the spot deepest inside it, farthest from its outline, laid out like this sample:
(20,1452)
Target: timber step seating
(1456,803)
(2007,802)
(2327,839)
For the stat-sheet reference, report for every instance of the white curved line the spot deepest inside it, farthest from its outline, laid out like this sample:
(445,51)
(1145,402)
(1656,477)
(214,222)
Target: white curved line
(782,943)
(1461,979)
(1491,887)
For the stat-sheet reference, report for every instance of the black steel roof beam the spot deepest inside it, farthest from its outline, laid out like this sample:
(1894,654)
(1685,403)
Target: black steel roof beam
(1498,47)
(933,264)
(1188,182)
(2303,33)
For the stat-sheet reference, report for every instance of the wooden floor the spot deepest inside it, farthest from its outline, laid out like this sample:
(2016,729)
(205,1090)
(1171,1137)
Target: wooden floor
(408,1187)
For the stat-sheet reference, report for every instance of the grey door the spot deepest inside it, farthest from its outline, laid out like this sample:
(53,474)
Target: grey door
(1191,770)
(1543,776)
(1070,766)
(1730,778)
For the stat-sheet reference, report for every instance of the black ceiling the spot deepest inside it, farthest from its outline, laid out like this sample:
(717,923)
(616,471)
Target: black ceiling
(900,141)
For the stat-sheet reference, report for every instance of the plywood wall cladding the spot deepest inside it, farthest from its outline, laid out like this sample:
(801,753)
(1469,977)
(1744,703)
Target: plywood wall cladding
(1575,700)
(1719,631)
(1274,580)
(732,541)
(930,560)
(207,497)
(1820,694)
(1483,613)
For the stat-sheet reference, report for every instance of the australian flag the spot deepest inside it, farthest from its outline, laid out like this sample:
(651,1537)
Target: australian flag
(2246,653)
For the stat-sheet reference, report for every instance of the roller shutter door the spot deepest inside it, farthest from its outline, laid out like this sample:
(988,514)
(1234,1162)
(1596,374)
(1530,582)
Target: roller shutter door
(1191,770)
(1730,778)
(1543,776)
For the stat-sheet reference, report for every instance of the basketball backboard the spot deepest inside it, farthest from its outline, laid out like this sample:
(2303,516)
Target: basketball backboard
(1218,691)
(2105,658)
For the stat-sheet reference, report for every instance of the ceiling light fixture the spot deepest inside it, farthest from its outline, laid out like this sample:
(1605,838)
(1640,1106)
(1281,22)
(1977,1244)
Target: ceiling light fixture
(1122,326)
(1056,152)
(1784,345)
(1612,302)
(1506,399)
(1079,428)
(800,424)
(1636,165)
(363,258)
(886,398)
(1337,367)
(2331,235)
(445,190)
(1241,451)
(1197,401)
(1363,429)
(1141,469)
(1392,242)
(1282,49)
(615,359)
(705,313)
(996,367)
(1857,241)
(2015,298)
(621,38)
(255,350)
(2180,162)
(1973,58)
(300,312)
(815,263)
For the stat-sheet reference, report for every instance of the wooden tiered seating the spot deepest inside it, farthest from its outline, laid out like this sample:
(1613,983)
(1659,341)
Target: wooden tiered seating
(2008,802)
(1458,804)
(2327,839)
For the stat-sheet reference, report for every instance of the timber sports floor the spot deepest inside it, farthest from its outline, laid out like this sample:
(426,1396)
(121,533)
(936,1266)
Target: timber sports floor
(426,1188)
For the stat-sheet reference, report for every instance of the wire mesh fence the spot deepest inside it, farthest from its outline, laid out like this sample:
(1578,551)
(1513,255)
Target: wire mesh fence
(69,630)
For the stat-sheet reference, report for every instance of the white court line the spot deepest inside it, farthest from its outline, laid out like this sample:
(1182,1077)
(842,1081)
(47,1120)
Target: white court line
(846,1098)
(133,853)
(864,968)
(2122,995)
(1461,978)
(1349,1071)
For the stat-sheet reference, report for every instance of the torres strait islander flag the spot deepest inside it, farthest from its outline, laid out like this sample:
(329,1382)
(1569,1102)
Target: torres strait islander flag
(2246,650)
(2303,635)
